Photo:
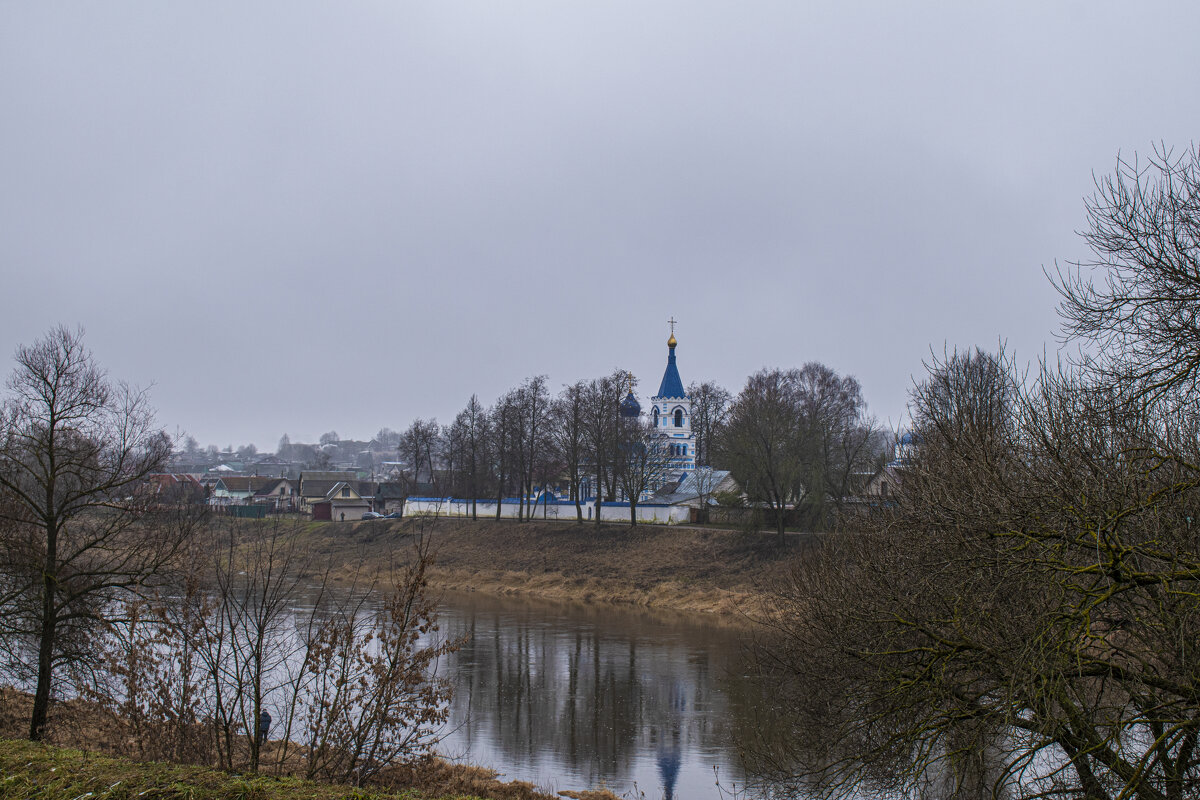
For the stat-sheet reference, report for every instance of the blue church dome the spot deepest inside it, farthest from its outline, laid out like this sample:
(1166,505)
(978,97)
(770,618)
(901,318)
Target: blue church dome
(630,407)
(672,385)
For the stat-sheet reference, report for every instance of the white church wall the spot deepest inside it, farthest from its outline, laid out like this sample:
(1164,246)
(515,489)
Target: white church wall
(486,509)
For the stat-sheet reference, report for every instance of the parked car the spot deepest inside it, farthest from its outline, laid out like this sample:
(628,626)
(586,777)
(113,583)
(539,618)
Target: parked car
(394,515)
(372,515)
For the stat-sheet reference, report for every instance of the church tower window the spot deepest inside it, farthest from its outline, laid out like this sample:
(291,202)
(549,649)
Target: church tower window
(679,418)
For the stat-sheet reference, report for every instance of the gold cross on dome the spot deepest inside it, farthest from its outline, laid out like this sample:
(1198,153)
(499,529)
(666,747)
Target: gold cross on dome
(672,321)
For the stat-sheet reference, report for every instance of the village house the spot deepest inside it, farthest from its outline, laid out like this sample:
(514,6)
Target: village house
(335,495)
(239,489)
(279,495)
(390,497)
(698,488)
(314,485)
(175,487)
(342,502)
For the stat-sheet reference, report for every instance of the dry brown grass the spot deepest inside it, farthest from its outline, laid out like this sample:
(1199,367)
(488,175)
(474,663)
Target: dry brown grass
(686,569)
(84,726)
(438,778)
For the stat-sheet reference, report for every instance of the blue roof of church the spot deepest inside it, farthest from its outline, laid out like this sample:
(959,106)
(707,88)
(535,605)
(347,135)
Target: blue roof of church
(630,407)
(671,386)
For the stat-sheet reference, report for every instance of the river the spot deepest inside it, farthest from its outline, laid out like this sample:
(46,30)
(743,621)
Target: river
(570,696)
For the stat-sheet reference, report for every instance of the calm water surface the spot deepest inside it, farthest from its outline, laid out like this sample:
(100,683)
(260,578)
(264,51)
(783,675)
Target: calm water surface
(573,697)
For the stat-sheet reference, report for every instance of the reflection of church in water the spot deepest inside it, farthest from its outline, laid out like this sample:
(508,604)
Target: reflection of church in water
(591,699)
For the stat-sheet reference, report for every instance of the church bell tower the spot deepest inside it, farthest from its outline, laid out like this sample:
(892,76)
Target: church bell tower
(671,413)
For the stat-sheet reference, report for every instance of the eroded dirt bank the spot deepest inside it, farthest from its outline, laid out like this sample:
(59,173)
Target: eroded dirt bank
(686,569)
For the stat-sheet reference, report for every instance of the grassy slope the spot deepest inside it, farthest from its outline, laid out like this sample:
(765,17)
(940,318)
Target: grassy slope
(30,770)
(682,568)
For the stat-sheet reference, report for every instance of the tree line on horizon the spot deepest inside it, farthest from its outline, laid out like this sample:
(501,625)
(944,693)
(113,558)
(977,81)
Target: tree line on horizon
(797,441)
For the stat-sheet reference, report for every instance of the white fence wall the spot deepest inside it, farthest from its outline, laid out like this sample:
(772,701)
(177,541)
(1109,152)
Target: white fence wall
(486,509)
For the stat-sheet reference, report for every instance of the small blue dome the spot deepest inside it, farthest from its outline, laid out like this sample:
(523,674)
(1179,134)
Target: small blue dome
(630,407)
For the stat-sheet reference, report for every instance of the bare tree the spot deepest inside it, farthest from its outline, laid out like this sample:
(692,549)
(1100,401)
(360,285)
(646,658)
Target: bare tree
(796,440)
(1030,594)
(385,439)
(645,460)
(417,449)
(465,442)
(475,434)
(1135,300)
(350,679)
(249,642)
(568,415)
(710,406)
(533,407)
(74,450)
(843,438)
(602,414)
(505,445)
(449,454)
(765,444)
(375,698)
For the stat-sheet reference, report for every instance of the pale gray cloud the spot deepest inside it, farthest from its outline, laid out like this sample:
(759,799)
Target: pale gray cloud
(240,201)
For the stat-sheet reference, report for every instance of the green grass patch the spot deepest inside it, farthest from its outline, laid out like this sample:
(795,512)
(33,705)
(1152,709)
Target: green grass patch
(33,771)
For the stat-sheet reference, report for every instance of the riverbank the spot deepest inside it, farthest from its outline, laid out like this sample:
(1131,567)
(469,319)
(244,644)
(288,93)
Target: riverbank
(37,771)
(34,771)
(709,571)
(85,755)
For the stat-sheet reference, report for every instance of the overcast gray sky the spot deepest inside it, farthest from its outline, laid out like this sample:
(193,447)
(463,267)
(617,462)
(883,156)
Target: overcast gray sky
(296,217)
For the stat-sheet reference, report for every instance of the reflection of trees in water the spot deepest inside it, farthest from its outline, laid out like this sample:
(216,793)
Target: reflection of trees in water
(597,701)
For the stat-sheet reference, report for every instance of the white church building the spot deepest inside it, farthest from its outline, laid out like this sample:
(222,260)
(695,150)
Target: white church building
(671,414)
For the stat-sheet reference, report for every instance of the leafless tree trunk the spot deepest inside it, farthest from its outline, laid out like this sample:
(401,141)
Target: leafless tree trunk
(504,416)
(569,429)
(765,444)
(472,423)
(710,406)
(418,444)
(534,407)
(75,450)
(602,407)
(646,460)
(842,438)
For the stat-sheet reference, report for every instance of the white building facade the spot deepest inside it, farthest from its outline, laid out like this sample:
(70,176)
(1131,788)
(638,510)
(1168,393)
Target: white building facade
(671,414)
